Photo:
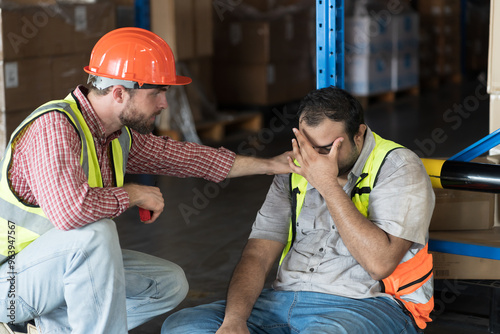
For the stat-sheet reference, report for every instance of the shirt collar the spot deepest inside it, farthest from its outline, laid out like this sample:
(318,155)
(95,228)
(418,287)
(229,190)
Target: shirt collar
(91,117)
(368,146)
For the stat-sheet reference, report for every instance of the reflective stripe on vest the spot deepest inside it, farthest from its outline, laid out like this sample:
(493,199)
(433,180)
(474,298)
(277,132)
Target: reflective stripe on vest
(20,223)
(411,282)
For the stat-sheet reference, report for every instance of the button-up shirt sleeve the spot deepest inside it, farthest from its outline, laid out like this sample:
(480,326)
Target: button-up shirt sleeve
(55,180)
(402,201)
(162,155)
(273,219)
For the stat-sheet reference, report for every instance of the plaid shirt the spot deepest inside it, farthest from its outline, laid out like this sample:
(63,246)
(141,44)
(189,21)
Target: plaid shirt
(46,169)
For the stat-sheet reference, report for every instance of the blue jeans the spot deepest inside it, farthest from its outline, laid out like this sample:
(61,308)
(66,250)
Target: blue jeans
(80,281)
(299,312)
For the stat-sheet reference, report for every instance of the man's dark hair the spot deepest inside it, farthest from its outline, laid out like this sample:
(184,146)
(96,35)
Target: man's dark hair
(333,103)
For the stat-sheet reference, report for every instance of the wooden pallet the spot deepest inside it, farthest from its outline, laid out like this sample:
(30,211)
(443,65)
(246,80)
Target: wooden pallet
(387,96)
(228,123)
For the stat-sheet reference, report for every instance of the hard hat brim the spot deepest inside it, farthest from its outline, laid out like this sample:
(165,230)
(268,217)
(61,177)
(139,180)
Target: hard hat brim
(179,79)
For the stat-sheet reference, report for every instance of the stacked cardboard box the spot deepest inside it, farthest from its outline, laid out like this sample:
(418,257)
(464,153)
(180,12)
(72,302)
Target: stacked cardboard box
(405,50)
(467,217)
(368,50)
(381,48)
(263,60)
(441,40)
(452,266)
(477,22)
(43,52)
(186,25)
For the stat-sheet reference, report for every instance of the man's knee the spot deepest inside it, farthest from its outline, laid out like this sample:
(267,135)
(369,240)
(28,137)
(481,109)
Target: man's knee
(99,234)
(201,319)
(174,286)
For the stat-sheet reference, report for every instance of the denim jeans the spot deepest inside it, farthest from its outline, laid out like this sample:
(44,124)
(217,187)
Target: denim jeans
(80,281)
(300,312)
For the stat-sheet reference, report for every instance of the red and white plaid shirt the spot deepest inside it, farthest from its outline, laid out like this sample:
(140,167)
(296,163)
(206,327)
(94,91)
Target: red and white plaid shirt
(46,168)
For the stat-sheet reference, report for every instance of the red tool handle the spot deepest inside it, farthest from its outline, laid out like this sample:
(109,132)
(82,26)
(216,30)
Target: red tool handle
(144,214)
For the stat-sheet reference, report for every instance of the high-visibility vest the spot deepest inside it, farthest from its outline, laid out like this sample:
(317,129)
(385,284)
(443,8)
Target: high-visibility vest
(22,223)
(411,282)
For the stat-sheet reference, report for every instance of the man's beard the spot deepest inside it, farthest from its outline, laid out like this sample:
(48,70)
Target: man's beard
(353,157)
(134,120)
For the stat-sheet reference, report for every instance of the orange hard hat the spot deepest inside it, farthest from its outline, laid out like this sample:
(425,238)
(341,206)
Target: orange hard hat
(134,55)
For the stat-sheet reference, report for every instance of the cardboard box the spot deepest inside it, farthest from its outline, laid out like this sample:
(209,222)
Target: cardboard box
(38,31)
(260,5)
(174,21)
(439,8)
(467,267)
(462,210)
(67,73)
(405,32)
(89,24)
(493,76)
(302,78)
(124,2)
(204,28)
(263,41)
(31,82)
(49,2)
(251,7)
(264,84)
(26,83)
(451,266)
(405,70)
(251,84)
(368,74)
(365,35)
(3,133)
(441,42)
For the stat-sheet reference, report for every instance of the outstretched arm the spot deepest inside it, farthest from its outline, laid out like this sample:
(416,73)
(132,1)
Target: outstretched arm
(247,283)
(244,165)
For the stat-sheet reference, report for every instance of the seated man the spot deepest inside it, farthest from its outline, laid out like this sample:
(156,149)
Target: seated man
(351,225)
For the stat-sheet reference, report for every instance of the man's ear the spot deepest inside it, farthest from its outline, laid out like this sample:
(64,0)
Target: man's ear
(119,93)
(360,136)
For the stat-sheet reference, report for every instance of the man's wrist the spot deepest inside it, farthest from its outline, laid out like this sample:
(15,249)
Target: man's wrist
(330,187)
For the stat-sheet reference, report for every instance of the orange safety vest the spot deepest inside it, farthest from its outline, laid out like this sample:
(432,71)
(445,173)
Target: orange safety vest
(411,282)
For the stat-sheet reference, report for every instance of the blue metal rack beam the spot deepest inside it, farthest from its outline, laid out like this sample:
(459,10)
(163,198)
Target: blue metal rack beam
(142,14)
(478,148)
(330,43)
(462,248)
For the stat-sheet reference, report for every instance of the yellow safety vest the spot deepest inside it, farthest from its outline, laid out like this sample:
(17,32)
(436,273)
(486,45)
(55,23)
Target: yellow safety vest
(411,282)
(22,223)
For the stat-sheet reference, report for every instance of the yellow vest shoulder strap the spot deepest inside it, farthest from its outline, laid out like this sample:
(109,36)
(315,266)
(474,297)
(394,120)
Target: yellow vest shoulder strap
(368,178)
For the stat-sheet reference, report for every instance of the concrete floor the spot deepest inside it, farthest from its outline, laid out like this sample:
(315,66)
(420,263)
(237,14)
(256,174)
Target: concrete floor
(207,244)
